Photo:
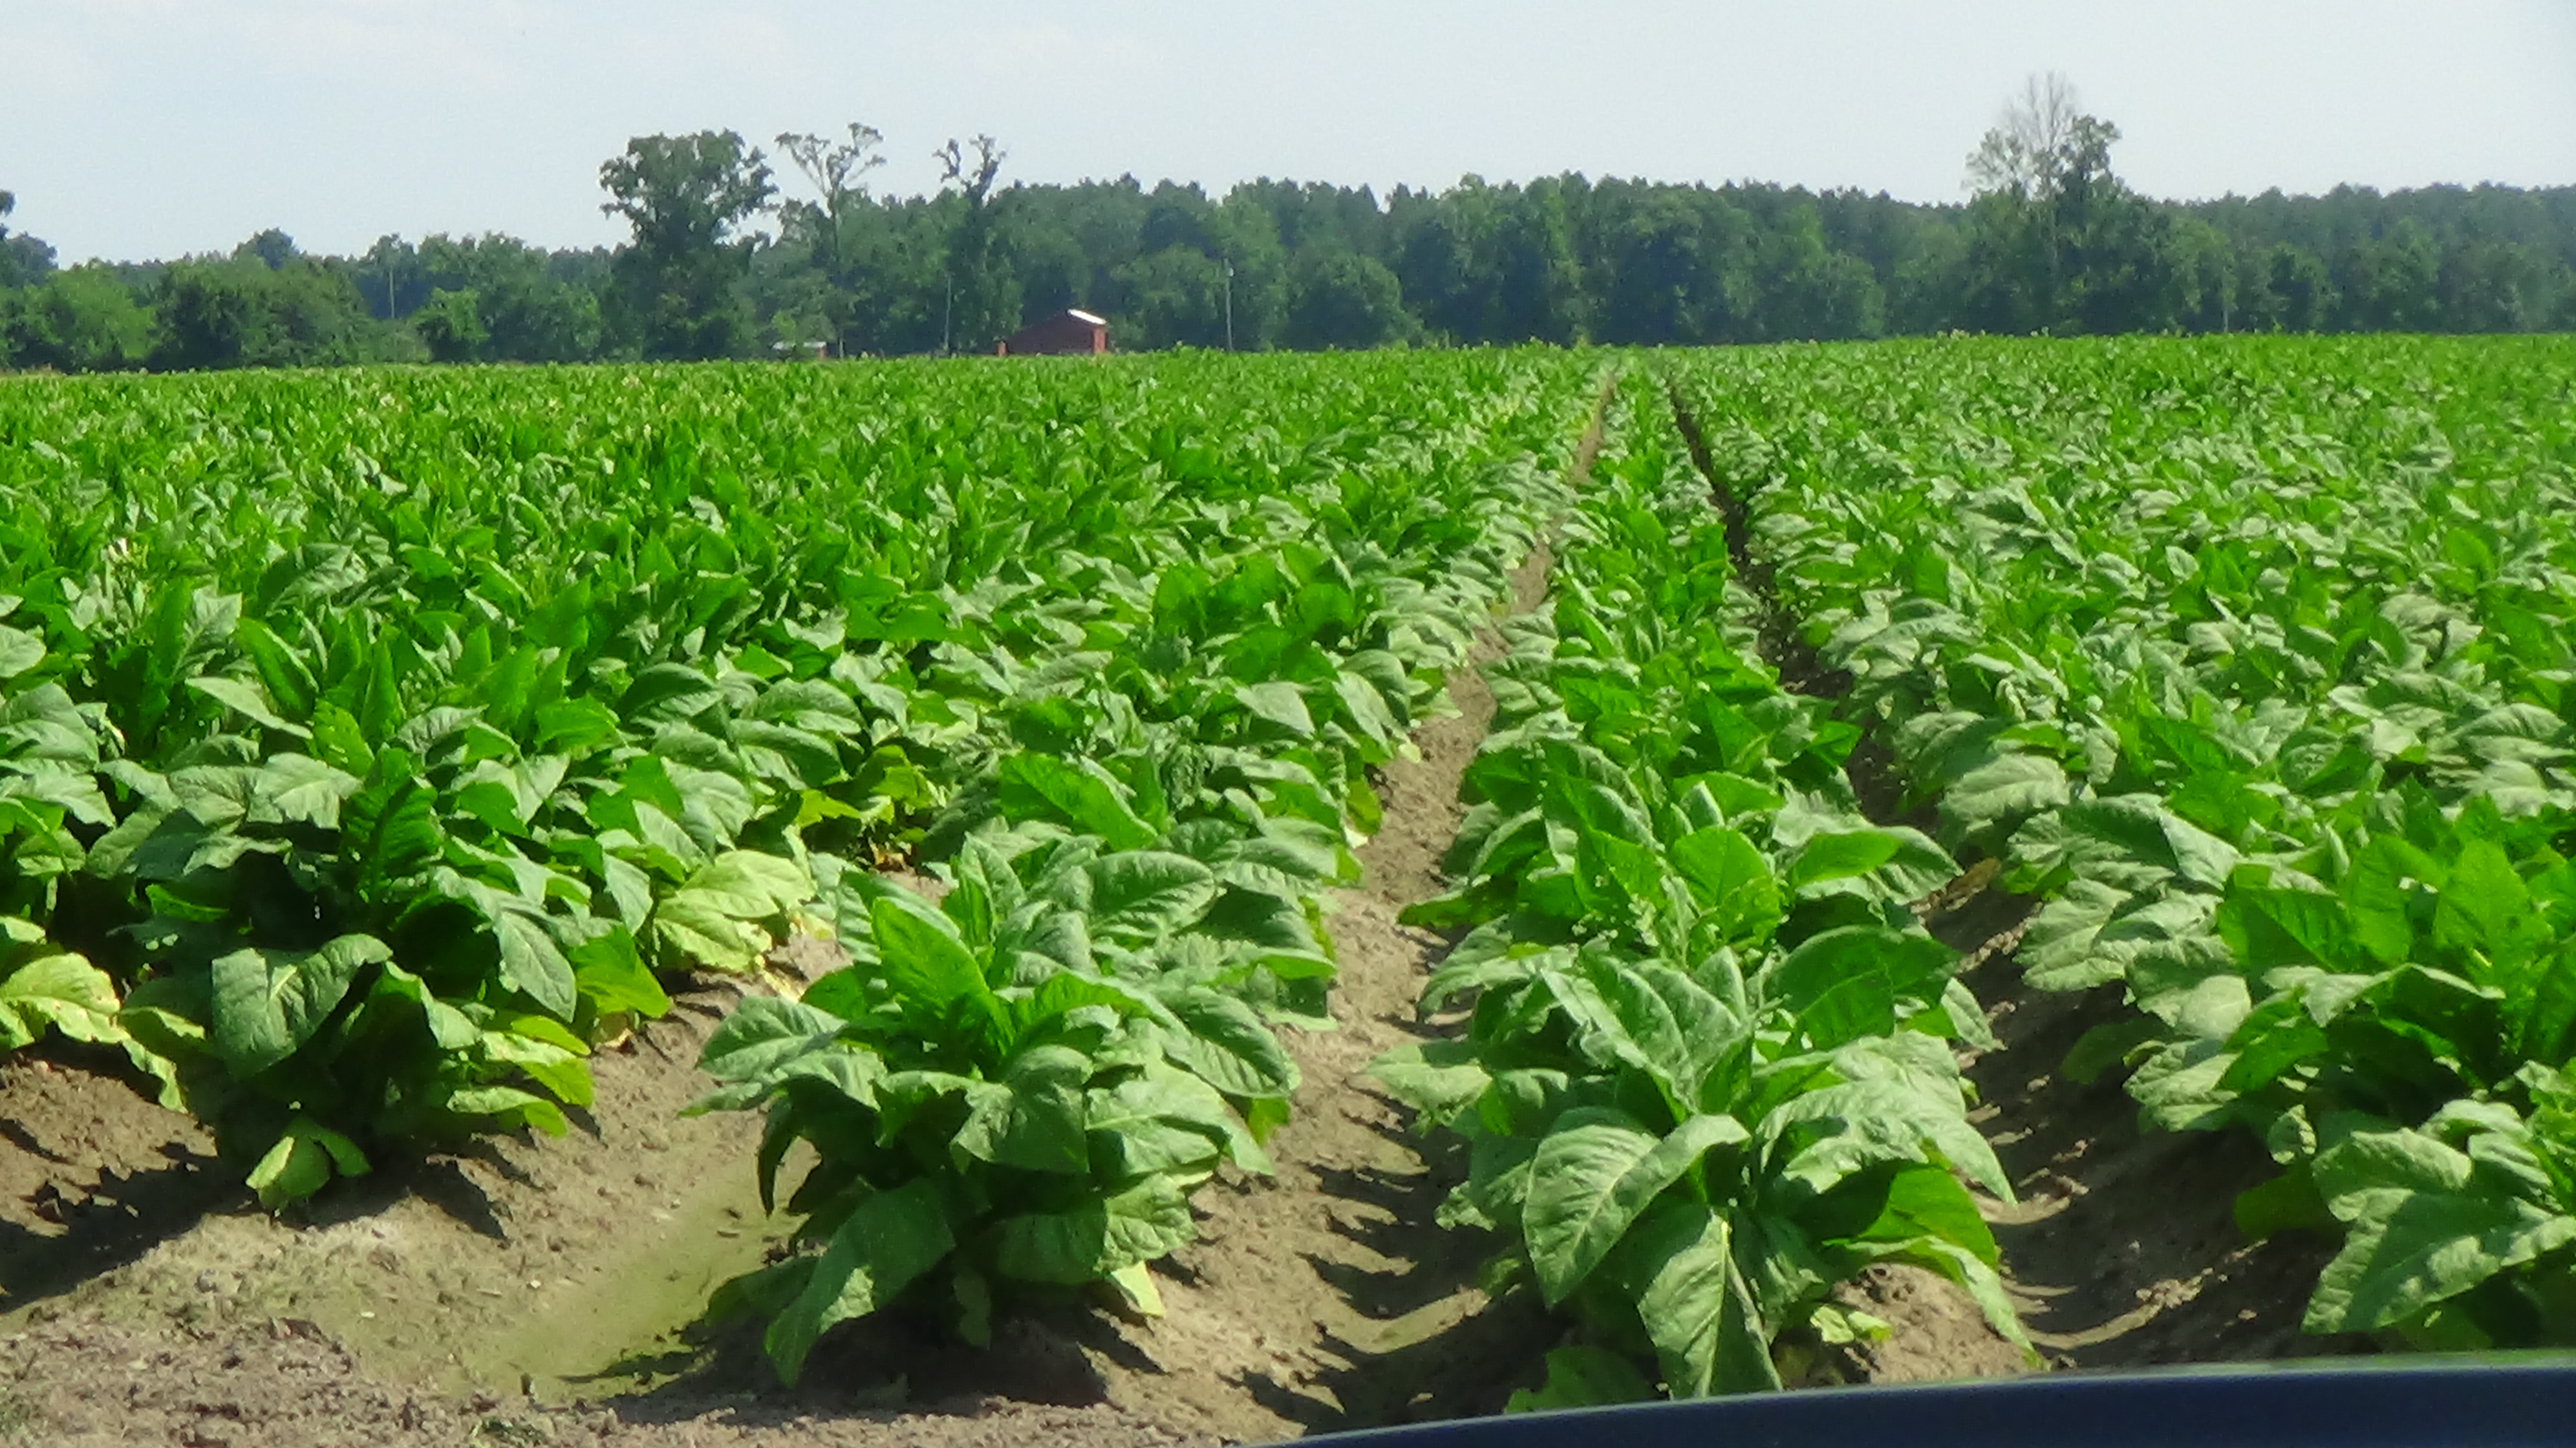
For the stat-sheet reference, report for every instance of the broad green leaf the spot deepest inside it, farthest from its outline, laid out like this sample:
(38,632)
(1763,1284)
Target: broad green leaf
(1143,895)
(1697,1309)
(1593,1176)
(763,1033)
(1164,1121)
(1222,1041)
(928,966)
(1140,1223)
(1731,880)
(1078,793)
(303,1162)
(1582,1376)
(1845,984)
(19,651)
(1279,702)
(2003,793)
(886,1242)
(2427,1221)
(269,1003)
(1033,1119)
(532,962)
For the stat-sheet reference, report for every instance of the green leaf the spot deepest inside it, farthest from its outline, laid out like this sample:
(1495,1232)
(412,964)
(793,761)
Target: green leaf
(609,973)
(507,1108)
(1838,856)
(1842,985)
(303,790)
(532,962)
(1824,1137)
(302,1163)
(247,698)
(269,1003)
(2428,1221)
(1366,708)
(19,651)
(750,885)
(551,1063)
(2484,903)
(763,1033)
(1696,1307)
(1582,1376)
(1224,1043)
(1281,703)
(1144,895)
(888,1240)
(1033,1119)
(1438,1079)
(710,919)
(695,931)
(924,960)
(1593,1176)
(2002,793)
(665,693)
(340,741)
(47,986)
(1080,794)
(1164,1121)
(1143,1222)
(1731,880)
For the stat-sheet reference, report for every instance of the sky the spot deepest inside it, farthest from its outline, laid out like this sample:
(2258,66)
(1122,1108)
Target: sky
(134,129)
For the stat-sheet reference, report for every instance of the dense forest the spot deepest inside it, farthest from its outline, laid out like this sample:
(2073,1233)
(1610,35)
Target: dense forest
(731,256)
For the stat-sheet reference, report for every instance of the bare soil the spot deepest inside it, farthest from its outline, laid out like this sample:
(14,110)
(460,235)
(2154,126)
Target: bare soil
(472,1298)
(535,1291)
(1331,1298)
(2122,1250)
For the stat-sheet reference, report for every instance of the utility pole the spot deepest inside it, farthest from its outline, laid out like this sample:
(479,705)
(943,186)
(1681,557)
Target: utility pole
(947,308)
(1229,306)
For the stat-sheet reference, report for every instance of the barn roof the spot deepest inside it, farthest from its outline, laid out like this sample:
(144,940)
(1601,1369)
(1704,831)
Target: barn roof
(1083,316)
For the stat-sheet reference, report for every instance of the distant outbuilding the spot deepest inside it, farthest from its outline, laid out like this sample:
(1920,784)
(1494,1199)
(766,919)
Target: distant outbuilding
(1068,333)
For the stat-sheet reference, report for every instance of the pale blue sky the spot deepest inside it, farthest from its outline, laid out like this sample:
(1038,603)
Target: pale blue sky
(139,128)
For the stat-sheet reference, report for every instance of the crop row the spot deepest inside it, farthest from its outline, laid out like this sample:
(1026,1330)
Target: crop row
(372,745)
(1698,1045)
(2253,662)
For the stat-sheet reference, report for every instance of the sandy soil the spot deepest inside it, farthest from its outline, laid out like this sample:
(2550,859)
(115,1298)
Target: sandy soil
(2122,1250)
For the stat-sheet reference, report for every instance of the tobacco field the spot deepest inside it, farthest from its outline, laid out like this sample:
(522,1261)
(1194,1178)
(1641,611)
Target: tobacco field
(1875,814)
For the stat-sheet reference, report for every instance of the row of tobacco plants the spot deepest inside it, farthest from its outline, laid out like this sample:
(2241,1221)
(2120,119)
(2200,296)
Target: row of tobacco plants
(1698,1045)
(373,744)
(2255,661)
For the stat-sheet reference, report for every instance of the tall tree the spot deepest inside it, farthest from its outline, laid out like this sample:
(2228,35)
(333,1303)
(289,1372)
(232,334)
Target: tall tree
(676,288)
(24,260)
(2056,240)
(981,302)
(81,320)
(1341,299)
(1538,284)
(837,170)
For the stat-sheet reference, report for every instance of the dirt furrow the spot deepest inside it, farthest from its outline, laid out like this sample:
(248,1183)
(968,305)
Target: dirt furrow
(1331,1298)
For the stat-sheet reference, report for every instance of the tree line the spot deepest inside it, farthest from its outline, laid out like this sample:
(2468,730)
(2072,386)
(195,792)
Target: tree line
(727,257)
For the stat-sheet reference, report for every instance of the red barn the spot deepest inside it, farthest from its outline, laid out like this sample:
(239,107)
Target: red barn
(1066,334)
